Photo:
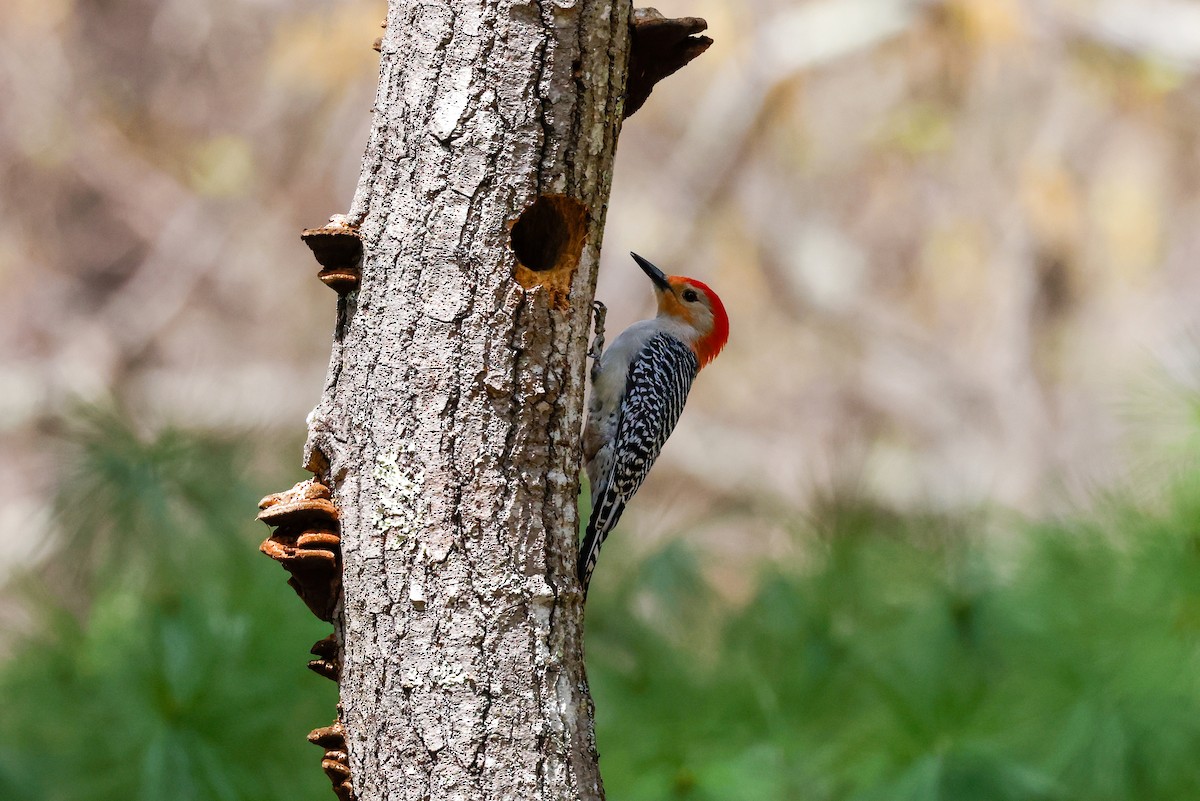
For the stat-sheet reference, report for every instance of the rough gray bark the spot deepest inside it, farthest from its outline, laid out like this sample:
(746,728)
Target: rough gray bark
(449,424)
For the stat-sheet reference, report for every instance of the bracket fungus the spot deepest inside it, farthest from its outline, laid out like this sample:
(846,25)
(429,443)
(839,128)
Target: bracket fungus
(338,249)
(335,762)
(329,660)
(659,47)
(306,543)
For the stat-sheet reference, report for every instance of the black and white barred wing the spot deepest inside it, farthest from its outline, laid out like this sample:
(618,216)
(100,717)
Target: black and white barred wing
(659,380)
(657,388)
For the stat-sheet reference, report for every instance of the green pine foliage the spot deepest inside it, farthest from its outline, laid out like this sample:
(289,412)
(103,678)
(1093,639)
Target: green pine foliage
(172,667)
(910,661)
(903,657)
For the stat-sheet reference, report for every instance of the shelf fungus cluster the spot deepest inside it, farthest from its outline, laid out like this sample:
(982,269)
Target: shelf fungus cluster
(338,249)
(306,543)
(328,662)
(306,538)
(334,763)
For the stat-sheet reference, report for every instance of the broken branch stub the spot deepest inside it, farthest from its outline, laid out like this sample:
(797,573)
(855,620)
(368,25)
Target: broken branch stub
(659,47)
(377,45)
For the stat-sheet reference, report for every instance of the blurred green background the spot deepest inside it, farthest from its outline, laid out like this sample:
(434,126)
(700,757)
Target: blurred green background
(927,531)
(900,656)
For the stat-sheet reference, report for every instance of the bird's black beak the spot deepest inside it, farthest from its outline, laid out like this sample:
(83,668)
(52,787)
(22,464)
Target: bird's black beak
(656,275)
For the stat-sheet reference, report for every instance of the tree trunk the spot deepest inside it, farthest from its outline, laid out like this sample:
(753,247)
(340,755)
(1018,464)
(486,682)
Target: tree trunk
(449,423)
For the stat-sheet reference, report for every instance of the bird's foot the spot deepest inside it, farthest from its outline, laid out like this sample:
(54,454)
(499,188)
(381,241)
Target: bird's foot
(599,312)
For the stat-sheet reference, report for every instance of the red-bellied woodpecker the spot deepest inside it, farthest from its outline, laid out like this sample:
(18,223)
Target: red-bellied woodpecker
(639,386)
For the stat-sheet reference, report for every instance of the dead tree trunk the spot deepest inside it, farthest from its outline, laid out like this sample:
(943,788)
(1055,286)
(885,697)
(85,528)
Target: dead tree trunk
(449,424)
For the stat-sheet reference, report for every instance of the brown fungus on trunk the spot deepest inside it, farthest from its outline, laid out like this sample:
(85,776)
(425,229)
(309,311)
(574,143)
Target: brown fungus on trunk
(335,761)
(548,240)
(659,47)
(306,543)
(338,249)
(329,658)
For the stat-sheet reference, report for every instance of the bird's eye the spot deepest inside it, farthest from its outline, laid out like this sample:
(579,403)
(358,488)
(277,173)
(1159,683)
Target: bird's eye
(690,295)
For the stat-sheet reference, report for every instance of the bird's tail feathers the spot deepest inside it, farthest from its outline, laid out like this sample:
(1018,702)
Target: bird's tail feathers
(604,517)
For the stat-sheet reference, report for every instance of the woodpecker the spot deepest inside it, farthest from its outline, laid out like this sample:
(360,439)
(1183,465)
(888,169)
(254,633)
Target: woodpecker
(639,385)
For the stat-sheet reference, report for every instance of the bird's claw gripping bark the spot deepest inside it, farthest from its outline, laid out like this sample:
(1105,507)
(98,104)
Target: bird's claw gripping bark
(335,763)
(599,312)
(306,543)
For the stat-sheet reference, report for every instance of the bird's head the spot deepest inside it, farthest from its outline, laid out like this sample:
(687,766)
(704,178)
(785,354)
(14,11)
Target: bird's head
(694,304)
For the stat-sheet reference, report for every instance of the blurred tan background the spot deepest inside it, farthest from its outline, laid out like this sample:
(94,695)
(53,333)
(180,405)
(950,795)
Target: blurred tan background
(957,239)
